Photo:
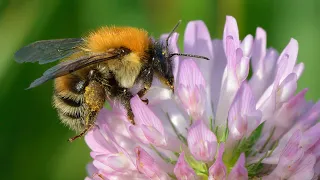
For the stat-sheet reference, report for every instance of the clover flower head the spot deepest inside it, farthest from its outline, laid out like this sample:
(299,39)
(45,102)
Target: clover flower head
(236,116)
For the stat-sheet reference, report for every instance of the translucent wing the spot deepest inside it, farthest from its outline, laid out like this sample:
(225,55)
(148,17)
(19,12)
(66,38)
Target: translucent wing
(48,50)
(70,66)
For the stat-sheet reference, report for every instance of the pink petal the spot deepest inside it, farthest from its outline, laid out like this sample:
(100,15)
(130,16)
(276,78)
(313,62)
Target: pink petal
(298,69)
(230,86)
(309,118)
(91,170)
(305,169)
(291,53)
(281,66)
(305,121)
(146,165)
(246,45)
(193,100)
(236,65)
(287,87)
(198,41)
(269,100)
(287,115)
(143,115)
(218,170)
(154,136)
(231,52)
(315,149)
(310,137)
(118,162)
(242,69)
(158,92)
(263,76)
(316,170)
(259,50)
(290,157)
(190,74)
(270,61)
(243,107)
(239,171)
(231,30)
(220,62)
(98,143)
(183,171)
(191,89)
(103,169)
(202,142)
(137,133)
(177,116)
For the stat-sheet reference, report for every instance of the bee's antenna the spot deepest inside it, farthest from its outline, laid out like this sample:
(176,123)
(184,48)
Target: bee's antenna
(172,31)
(180,54)
(188,55)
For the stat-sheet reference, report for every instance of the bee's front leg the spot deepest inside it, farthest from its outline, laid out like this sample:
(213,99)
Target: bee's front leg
(147,82)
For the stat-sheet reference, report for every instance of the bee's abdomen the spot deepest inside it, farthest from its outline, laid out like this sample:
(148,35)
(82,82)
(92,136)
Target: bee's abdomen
(68,99)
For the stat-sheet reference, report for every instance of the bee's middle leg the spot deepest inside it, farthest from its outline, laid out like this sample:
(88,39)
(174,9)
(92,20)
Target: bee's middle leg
(124,96)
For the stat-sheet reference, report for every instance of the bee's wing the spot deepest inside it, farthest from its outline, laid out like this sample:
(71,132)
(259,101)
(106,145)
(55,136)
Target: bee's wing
(48,50)
(67,67)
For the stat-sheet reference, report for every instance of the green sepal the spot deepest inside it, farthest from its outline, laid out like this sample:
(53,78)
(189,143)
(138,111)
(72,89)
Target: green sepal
(107,106)
(199,167)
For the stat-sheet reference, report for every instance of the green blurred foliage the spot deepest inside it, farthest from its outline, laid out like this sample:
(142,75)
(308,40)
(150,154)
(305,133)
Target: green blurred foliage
(33,142)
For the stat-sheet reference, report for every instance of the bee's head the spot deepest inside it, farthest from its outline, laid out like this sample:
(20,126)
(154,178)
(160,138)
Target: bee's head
(163,64)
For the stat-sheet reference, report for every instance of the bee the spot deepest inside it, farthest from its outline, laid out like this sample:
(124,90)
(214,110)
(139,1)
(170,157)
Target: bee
(105,64)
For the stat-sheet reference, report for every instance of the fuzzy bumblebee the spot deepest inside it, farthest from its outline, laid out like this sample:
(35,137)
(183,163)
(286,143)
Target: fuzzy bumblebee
(105,64)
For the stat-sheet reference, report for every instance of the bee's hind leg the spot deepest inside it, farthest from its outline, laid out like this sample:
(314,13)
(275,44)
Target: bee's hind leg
(94,97)
(88,126)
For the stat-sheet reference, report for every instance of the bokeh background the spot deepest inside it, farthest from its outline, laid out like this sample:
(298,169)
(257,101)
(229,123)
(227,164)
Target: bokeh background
(32,141)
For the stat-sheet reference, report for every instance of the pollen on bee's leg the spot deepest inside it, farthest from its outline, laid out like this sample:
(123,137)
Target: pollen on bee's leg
(95,96)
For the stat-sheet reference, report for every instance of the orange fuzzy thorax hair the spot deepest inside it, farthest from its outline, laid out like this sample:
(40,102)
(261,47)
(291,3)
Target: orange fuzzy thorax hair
(105,38)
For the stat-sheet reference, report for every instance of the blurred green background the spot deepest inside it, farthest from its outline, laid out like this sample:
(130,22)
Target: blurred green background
(33,142)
